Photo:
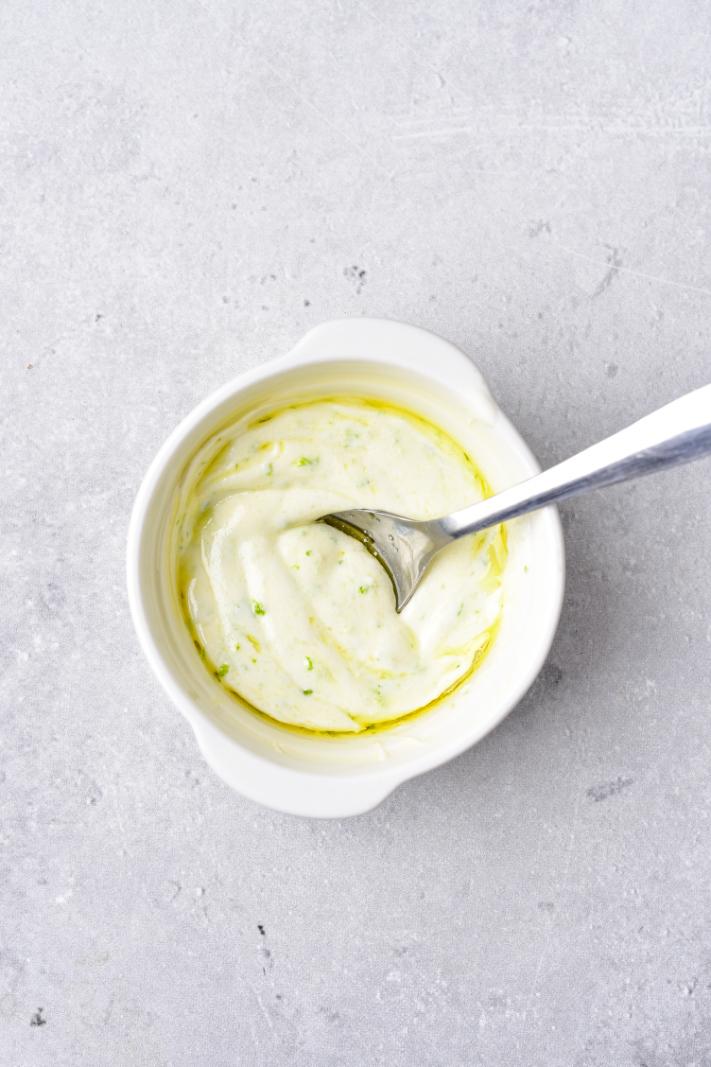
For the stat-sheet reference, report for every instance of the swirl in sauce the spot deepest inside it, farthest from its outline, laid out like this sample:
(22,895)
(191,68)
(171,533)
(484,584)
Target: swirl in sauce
(296,618)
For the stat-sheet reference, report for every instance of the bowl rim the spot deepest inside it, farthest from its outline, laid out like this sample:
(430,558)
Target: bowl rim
(310,792)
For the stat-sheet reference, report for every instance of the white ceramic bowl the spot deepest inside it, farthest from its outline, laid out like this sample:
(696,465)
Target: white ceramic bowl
(320,776)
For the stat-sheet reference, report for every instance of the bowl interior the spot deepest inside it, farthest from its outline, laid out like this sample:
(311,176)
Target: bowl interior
(532,579)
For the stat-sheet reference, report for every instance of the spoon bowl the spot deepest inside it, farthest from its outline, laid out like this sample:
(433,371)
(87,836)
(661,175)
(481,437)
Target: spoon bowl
(403,547)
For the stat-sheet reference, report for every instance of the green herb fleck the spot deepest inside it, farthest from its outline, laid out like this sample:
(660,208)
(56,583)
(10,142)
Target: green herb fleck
(254,642)
(222,670)
(362,589)
(307,692)
(309,663)
(258,608)
(308,551)
(306,461)
(270,469)
(237,648)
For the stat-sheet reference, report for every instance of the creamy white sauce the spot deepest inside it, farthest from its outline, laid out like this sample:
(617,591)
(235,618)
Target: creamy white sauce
(297,618)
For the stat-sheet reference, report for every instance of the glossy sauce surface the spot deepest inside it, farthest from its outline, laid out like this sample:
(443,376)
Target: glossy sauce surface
(297,618)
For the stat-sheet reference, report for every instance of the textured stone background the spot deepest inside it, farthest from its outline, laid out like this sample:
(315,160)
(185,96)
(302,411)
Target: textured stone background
(185,187)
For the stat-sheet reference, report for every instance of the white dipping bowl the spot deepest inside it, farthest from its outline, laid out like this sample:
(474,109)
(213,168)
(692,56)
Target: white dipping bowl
(339,776)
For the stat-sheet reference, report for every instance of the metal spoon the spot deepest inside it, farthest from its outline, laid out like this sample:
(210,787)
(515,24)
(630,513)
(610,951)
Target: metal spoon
(677,433)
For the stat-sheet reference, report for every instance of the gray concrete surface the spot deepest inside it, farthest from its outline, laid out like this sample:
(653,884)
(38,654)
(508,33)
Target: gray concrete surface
(185,187)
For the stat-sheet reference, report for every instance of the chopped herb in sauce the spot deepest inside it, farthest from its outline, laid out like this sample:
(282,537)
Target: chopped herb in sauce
(258,608)
(307,692)
(309,663)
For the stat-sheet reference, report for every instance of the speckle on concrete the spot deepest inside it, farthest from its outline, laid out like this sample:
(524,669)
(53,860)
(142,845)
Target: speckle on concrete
(185,188)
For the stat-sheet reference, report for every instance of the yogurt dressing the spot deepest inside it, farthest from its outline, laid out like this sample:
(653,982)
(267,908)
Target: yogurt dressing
(298,619)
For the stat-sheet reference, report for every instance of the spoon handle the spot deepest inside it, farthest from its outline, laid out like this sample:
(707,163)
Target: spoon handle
(677,433)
